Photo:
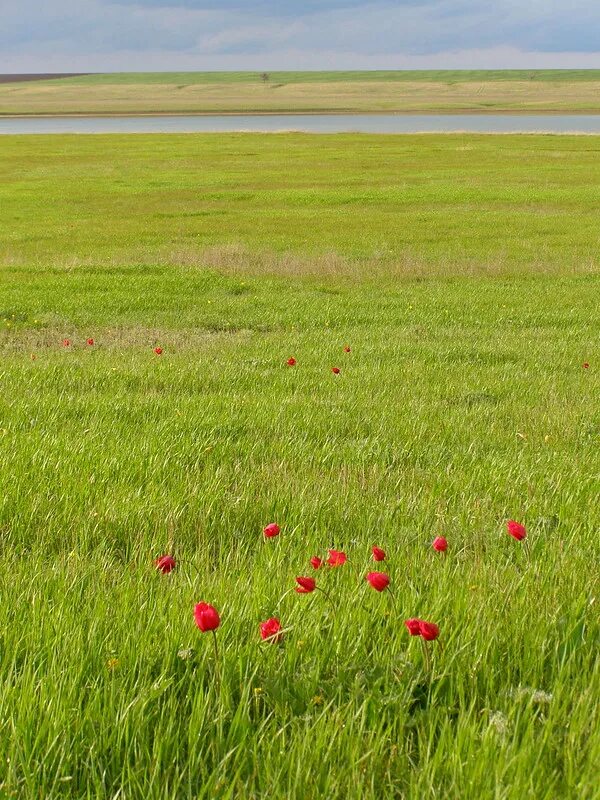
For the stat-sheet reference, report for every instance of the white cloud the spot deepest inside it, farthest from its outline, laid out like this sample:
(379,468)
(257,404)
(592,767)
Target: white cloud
(105,35)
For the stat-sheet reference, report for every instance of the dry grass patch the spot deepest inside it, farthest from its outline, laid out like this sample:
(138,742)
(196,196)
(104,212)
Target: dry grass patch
(335,96)
(236,259)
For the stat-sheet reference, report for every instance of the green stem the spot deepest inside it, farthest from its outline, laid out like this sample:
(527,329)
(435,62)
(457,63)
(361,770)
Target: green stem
(327,595)
(426,656)
(217,662)
(392,595)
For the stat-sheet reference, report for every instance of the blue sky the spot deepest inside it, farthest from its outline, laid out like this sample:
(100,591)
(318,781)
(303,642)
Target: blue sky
(105,35)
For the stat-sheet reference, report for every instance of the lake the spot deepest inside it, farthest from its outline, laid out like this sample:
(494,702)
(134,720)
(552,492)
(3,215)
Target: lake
(309,123)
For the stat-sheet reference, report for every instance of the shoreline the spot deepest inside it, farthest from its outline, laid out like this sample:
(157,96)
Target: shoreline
(160,114)
(300,132)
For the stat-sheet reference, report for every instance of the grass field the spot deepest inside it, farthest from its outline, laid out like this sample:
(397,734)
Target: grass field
(541,91)
(463,273)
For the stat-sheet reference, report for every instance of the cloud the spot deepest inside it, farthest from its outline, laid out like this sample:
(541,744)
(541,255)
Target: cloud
(105,35)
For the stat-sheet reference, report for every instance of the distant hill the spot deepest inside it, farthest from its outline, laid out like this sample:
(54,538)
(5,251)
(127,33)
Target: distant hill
(334,76)
(377,91)
(38,76)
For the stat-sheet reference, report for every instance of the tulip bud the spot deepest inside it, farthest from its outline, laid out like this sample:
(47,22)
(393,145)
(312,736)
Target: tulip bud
(271,630)
(165,564)
(206,617)
(378,580)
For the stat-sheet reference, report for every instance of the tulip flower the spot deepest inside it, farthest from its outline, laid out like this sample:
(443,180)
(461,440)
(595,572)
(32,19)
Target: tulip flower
(206,617)
(305,585)
(270,630)
(378,554)
(66,342)
(413,626)
(516,530)
(347,349)
(316,562)
(158,351)
(440,544)
(428,630)
(336,558)
(165,564)
(378,580)
(335,370)
(90,342)
(586,365)
(291,362)
(271,530)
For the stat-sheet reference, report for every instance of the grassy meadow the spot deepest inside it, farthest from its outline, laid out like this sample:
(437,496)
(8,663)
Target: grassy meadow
(449,91)
(463,273)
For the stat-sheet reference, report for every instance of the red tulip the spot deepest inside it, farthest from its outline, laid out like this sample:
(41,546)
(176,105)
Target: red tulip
(378,554)
(428,630)
(305,585)
(516,530)
(165,564)
(335,370)
(291,362)
(206,617)
(336,558)
(413,626)
(271,630)
(316,562)
(440,544)
(158,351)
(346,349)
(586,365)
(90,342)
(66,342)
(378,580)
(271,530)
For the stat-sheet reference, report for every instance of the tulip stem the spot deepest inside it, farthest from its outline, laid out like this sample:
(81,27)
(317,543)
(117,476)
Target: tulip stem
(391,594)
(527,549)
(327,595)
(426,655)
(217,662)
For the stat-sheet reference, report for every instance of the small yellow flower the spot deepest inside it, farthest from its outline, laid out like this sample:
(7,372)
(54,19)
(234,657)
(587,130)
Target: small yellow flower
(257,691)
(318,700)
(112,663)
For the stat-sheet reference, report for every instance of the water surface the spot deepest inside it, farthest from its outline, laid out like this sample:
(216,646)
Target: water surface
(310,123)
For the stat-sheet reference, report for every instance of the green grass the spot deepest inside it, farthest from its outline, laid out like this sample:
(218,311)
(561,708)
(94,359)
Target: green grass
(449,202)
(320,76)
(462,272)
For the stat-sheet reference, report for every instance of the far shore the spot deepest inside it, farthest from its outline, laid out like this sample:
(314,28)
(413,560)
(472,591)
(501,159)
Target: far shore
(316,113)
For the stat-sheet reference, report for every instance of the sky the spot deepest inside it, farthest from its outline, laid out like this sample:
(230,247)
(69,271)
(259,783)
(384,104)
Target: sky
(147,35)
